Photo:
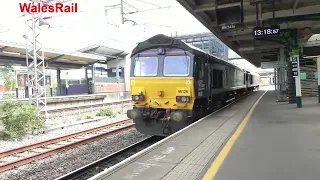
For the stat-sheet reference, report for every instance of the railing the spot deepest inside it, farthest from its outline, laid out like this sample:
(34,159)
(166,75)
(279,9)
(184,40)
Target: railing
(72,115)
(112,96)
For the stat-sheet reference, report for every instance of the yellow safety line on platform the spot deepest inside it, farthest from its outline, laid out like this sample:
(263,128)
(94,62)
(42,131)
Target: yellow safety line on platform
(212,171)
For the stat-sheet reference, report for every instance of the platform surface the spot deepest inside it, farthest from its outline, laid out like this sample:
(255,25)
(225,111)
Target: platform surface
(279,142)
(187,155)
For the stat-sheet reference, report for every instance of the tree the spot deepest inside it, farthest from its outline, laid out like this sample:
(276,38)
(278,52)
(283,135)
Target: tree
(9,80)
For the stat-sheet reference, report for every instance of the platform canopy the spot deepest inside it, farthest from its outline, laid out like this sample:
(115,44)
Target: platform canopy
(15,53)
(245,25)
(110,53)
(311,48)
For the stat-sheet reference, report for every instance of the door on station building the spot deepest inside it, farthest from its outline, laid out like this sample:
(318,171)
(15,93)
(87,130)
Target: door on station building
(90,86)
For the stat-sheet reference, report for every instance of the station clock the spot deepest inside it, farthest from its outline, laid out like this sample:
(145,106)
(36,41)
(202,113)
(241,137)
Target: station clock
(259,32)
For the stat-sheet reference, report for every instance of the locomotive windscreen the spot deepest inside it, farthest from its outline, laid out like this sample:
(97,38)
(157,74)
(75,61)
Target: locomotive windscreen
(176,66)
(146,66)
(173,65)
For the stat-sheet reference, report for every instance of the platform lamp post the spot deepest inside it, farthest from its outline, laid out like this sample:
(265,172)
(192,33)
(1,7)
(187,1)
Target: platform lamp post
(120,93)
(294,57)
(318,72)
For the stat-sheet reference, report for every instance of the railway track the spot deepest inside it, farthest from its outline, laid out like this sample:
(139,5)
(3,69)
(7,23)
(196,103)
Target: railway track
(24,155)
(110,160)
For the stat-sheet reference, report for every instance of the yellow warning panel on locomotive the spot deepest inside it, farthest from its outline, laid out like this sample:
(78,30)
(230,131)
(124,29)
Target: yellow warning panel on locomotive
(138,90)
(183,91)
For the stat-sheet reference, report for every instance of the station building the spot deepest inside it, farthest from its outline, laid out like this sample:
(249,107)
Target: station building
(67,73)
(208,43)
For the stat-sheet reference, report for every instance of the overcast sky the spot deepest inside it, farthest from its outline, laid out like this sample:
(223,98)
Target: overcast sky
(93,25)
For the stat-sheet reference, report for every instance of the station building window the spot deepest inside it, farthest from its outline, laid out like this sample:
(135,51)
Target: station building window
(206,44)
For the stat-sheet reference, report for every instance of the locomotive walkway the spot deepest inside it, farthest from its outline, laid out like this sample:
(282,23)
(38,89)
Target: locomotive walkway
(248,140)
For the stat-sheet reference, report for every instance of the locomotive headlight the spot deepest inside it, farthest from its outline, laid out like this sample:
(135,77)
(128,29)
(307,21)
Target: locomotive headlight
(137,98)
(161,51)
(183,99)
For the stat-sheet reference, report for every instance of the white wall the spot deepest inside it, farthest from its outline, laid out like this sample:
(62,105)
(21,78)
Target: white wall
(73,74)
(127,72)
(125,63)
(114,63)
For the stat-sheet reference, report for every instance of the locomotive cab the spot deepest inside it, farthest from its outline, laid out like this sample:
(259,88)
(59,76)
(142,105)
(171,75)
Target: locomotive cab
(161,82)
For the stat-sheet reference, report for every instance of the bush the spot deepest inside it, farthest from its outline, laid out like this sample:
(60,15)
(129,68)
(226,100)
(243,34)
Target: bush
(9,80)
(119,111)
(19,118)
(106,112)
(8,96)
(79,117)
(88,116)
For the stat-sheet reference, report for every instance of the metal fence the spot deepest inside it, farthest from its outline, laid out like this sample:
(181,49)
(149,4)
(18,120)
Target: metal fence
(109,80)
(79,113)
(112,96)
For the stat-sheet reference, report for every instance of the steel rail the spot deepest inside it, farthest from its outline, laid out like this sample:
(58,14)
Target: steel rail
(4,167)
(100,164)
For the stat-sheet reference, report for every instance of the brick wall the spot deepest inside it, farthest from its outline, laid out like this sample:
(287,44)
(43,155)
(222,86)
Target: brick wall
(110,87)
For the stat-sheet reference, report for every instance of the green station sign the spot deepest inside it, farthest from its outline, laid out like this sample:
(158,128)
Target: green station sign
(303,76)
(10,68)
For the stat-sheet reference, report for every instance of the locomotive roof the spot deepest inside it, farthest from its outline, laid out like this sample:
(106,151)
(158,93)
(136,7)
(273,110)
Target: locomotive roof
(161,40)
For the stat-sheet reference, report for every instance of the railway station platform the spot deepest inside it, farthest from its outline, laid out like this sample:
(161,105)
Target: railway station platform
(254,138)
(77,101)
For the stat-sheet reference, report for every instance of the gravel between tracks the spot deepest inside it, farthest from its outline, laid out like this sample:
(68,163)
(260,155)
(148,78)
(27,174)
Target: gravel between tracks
(65,162)
(31,139)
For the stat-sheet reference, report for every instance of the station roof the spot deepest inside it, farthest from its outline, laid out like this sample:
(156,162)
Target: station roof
(223,19)
(110,53)
(15,53)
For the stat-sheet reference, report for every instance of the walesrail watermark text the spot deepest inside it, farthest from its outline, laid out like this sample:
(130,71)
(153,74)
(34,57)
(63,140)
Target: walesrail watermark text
(43,8)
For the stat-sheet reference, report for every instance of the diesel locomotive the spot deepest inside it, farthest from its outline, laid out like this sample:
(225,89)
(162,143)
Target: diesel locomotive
(173,84)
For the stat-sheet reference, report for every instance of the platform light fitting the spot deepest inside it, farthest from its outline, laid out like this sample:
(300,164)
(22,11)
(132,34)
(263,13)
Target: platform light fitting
(14,53)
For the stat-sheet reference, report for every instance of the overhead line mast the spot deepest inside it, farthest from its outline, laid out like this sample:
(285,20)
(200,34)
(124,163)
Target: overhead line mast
(36,67)
(35,61)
